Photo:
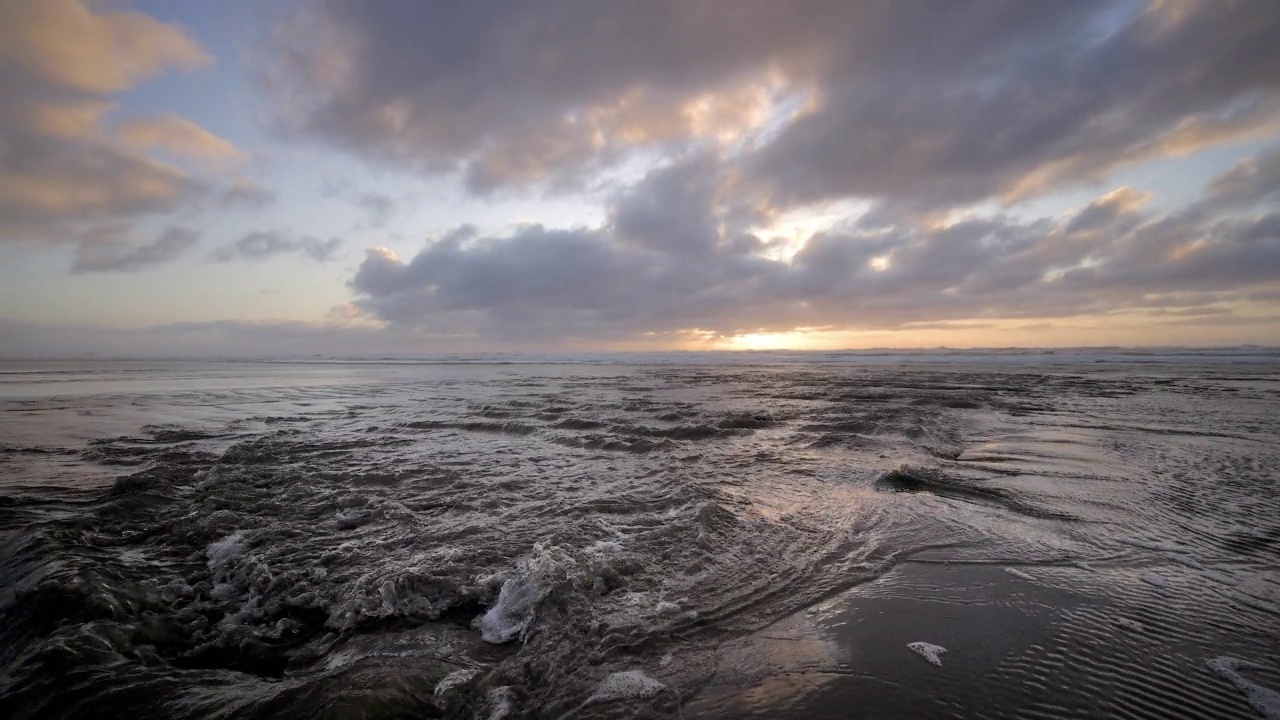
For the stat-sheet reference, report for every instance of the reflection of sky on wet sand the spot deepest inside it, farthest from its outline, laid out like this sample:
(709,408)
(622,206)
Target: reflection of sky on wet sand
(852,648)
(787,661)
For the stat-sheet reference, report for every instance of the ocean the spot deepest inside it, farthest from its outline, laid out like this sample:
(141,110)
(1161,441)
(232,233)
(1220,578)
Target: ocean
(1087,533)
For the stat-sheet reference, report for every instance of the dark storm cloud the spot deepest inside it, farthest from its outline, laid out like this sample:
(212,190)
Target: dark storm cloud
(922,103)
(110,250)
(603,283)
(262,245)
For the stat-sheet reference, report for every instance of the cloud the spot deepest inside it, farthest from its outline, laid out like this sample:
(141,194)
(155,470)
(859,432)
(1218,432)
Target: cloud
(245,193)
(263,245)
(206,340)
(66,44)
(514,95)
(180,137)
(108,249)
(624,279)
(901,101)
(61,169)
(1104,211)
(763,166)
(379,208)
(675,211)
(1007,100)
(1251,182)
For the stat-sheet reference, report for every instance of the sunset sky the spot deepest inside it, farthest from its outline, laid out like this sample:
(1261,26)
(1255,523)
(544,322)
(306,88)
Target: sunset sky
(361,177)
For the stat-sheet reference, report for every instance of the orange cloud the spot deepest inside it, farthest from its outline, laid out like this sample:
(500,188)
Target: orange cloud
(63,61)
(1191,134)
(179,136)
(65,43)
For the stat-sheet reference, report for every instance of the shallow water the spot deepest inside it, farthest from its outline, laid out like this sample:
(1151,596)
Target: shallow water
(1086,535)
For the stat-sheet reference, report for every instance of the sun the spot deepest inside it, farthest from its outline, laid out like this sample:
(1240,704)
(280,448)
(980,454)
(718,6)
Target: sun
(792,340)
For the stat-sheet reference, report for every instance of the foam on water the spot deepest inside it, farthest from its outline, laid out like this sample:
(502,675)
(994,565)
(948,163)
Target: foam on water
(1019,573)
(928,651)
(665,607)
(502,702)
(513,614)
(604,547)
(627,685)
(454,679)
(222,553)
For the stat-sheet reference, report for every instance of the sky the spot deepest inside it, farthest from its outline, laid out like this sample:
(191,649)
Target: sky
(379,177)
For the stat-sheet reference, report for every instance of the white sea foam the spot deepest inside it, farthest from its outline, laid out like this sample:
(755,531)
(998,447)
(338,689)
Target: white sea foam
(221,553)
(627,685)
(664,607)
(339,659)
(513,614)
(605,546)
(1019,573)
(928,651)
(501,702)
(1263,699)
(452,680)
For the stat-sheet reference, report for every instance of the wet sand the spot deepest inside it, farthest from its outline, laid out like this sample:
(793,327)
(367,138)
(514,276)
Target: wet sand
(1014,648)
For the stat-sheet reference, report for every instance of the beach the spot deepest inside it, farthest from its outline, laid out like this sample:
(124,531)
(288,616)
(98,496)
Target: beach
(1088,533)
